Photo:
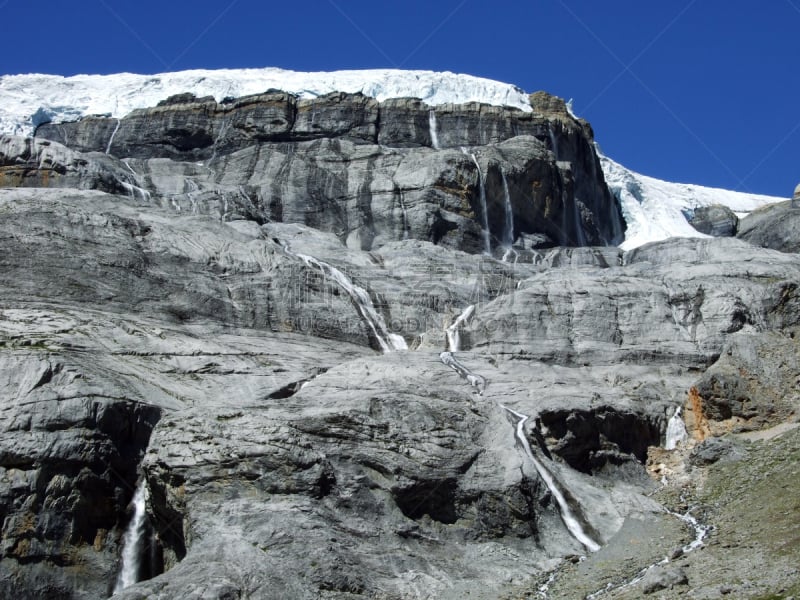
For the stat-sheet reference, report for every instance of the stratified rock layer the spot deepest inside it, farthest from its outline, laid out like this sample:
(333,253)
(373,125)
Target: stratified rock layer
(365,170)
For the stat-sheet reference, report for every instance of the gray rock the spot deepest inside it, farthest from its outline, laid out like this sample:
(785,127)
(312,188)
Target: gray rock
(754,381)
(260,165)
(679,308)
(663,578)
(714,450)
(286,445)
(30,162)
(717,220)
(776,226)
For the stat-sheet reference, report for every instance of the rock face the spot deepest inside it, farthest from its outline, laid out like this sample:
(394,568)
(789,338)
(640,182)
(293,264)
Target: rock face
(716,220)
(364,170)
(220,317)
(776,226)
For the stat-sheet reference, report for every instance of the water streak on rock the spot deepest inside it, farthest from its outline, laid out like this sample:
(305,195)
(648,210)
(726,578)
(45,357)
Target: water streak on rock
(453,334)
(363,303)
(111,139)
(487,246)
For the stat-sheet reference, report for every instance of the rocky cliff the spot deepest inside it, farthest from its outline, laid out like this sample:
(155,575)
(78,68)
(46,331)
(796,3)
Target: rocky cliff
(243,306)
(474,177)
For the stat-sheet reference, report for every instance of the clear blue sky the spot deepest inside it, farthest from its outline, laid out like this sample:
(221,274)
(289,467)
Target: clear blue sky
(703,91)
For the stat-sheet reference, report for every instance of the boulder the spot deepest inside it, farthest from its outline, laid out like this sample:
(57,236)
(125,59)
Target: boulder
(663,578)
(716,220)
(775,226)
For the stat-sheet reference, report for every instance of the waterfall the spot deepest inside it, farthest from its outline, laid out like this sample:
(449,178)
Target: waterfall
(405,214)
(432,129)
(676,431)
(487,246)
(475,380)
(193,189)
(580,234)
(701,530)
(134,191)
(573,524)
(553,140)
(508,225)
(453,335)
(133,541)
(130,168)
(111,139)
(363,303)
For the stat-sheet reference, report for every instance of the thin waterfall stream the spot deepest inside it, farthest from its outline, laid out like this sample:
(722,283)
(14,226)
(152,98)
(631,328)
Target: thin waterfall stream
(363,303)
(111,139)
(432,129)
(569,515)
(571,520)
(133,541)
(453,331)
(508,223)
(701,531)
(487,245)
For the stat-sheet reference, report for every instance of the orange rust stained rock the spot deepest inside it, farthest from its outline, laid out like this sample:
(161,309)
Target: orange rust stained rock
(695,417)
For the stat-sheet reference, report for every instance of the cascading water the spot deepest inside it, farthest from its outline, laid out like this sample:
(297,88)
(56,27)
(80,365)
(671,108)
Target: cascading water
(487,246)
(193,189)
(508,225)
(580,235)
(701,532)
(405,215)
(453,333)
(432,129)
(676,431)
(388,341)
(475,380)
(567,515)
(111,139)
(133,541)
(553,141)
(223,131)
(134,191)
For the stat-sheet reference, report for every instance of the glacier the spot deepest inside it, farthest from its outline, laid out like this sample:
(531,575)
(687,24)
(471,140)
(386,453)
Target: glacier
(654,209)
(29,100)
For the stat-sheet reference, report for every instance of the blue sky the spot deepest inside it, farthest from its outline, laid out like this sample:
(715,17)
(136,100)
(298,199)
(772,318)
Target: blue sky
(698,91)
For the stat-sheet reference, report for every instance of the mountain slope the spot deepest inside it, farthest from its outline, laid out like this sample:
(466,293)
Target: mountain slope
(331,343)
